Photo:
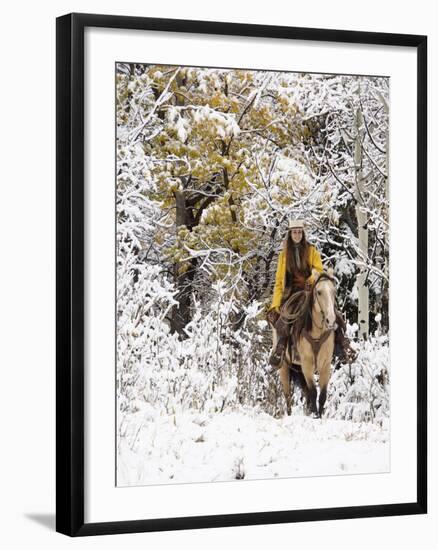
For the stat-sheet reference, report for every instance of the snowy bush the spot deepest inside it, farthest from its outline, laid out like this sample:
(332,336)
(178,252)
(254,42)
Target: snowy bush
(360,391)
(210,370)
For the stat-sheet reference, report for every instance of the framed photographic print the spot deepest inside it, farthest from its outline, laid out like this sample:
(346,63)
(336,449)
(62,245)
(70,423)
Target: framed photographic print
(241,274)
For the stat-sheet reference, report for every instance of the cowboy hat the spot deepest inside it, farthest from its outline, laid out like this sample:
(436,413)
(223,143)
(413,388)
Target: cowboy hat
(296,224)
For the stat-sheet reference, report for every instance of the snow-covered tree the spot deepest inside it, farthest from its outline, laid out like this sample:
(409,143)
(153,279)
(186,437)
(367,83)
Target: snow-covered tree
(211,164)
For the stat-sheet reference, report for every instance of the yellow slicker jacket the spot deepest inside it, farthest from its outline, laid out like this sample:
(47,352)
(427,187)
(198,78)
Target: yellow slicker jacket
(280,276)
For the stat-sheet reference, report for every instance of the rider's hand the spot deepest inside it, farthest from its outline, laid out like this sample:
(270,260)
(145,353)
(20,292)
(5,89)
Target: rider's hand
(272,316)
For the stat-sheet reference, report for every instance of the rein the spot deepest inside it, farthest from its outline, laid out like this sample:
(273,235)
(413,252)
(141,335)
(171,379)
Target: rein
(323,316)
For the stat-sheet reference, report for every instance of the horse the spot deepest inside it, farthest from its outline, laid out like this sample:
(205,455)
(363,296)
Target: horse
(313,333)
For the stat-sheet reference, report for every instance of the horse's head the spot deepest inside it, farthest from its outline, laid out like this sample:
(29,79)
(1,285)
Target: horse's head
(324,298)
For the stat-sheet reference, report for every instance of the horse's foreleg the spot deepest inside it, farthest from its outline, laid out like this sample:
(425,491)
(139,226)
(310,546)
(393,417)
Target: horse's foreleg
(307,367)
(324,377)
(311,398)
(285,383)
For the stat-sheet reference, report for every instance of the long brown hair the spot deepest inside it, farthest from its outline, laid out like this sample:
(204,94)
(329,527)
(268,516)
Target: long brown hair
(291,266)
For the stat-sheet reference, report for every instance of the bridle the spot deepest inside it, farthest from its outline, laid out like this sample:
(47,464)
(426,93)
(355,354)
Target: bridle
(323,276)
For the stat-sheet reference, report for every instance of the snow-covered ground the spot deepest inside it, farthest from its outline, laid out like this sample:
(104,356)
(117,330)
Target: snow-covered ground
(244,444)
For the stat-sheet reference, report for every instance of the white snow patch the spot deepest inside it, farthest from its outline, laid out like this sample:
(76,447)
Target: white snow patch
(245,444)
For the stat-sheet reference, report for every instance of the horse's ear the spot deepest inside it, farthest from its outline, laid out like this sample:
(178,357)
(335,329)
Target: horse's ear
(315,274)
(330,272)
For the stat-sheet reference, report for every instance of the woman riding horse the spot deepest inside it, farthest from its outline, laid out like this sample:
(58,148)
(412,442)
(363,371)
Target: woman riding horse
(294,273)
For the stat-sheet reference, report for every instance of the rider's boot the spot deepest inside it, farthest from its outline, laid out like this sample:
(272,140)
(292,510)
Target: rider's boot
(277,354)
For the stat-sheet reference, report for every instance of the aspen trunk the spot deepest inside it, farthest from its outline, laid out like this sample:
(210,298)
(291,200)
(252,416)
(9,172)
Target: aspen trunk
(362,224)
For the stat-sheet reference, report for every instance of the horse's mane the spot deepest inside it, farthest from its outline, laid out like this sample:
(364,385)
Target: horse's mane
(304,319)
(297,309)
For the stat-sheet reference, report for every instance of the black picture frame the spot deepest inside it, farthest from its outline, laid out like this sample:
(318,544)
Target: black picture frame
(70,273)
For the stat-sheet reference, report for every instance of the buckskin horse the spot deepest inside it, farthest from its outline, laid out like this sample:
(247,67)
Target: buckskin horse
(313,325)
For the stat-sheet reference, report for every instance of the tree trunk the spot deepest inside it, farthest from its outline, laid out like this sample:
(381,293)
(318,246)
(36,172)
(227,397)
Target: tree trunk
(362,225)
(181,313)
